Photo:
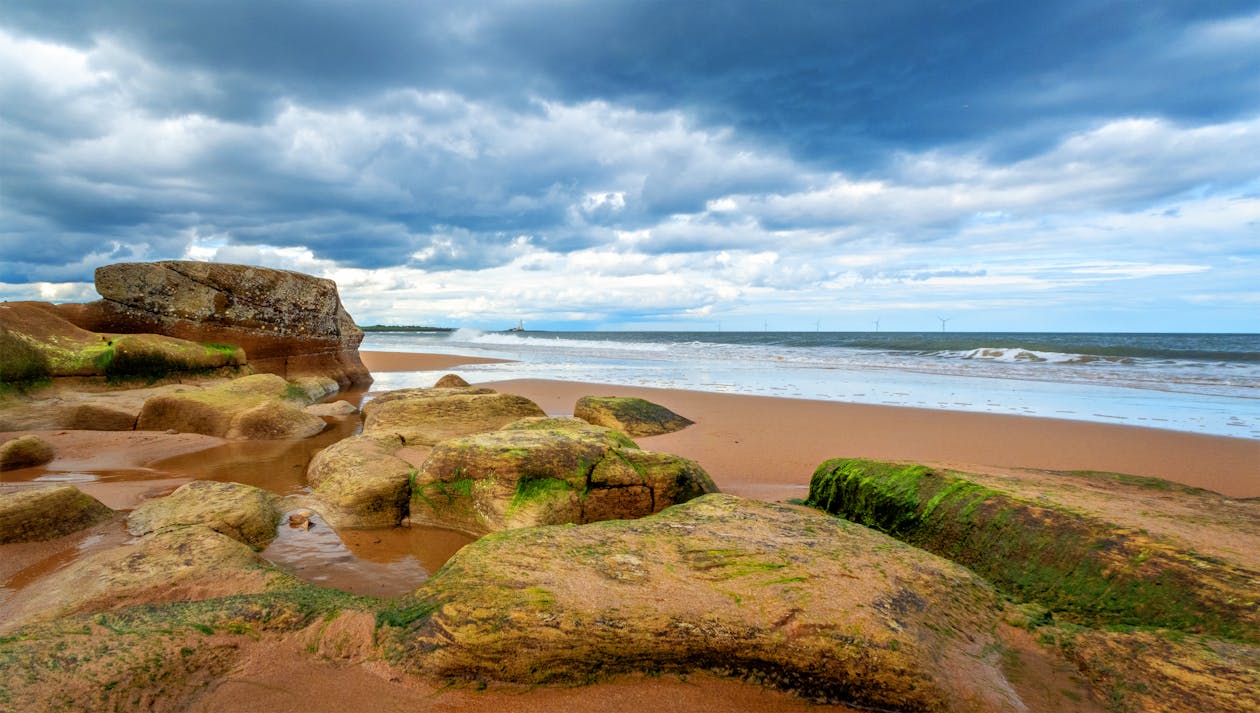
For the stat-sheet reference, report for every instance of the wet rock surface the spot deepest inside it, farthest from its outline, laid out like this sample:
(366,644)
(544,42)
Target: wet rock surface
(633,416)
(37,514)
(246,514)
(262,406)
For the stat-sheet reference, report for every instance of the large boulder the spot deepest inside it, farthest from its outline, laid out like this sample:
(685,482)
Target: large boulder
(258,407)
(541,473)
(38,342)
(427,416)
(288,323)
(242,512)
(24,452)
(632,416)
(1080,567)
(186,563)
(360,483)
(36,514)
(792,598)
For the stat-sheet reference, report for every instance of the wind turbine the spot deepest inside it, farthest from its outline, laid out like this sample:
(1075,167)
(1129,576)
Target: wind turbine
(943,321)
(877,324)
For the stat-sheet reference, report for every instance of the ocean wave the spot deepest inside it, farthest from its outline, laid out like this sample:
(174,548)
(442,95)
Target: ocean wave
(516,341)
(1019,355)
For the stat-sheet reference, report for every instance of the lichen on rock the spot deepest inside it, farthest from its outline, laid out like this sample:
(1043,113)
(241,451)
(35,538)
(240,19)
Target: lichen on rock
(37,514)
(243,512)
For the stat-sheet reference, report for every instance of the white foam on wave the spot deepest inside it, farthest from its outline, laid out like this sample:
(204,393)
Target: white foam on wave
(517,341)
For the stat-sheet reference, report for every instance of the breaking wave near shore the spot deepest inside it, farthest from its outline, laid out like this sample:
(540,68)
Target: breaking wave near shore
(1180,381)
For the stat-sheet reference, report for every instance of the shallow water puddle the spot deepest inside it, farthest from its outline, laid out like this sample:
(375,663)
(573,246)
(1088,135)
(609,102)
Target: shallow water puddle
(381,562)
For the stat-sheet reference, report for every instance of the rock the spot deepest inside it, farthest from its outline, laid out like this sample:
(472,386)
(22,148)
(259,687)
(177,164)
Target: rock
(37,514)
(301,519)
(187,563)
(333,409)
(450,381)
(633,417)
(262,406)
(242,512)
(360,483)
(1081,568)
(317,387)
(38,343)
(523,476)
(96,416)
(795,599)
(24,452)
(426,416)
(288,323)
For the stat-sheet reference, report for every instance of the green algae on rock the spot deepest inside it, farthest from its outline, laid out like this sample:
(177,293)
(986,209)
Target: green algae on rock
(633,416)
(262,406)
(536,473)
(37,514)
(773,593)
(1081,568)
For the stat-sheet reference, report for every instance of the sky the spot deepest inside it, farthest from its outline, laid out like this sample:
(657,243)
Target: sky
(1077,165)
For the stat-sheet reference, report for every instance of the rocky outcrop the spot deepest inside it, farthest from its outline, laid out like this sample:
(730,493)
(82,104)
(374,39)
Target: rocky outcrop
(288,323)
(186,563)
(792,598)
(24,452)
(541,473)
(37,514)
(242,512)
(258,407)
(360,483)
(633,417)
(38,343)
(1081,568)
(427,416)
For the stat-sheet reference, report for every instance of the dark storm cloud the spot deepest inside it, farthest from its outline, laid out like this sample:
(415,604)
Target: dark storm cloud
(448,135)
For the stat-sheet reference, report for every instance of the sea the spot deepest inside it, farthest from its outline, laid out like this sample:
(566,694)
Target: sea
(1202,383)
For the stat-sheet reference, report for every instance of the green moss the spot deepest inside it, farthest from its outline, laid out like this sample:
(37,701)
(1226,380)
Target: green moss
(20,363)
(1081,567)
(529,490)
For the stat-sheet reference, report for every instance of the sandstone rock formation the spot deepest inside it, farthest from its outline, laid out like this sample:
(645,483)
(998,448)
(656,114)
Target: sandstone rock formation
(288,323)
(792,598)
(633,417)
(24,452)
(258,407)
(533,474)
(36,514)
(426,416)
(37,342)
(242,512)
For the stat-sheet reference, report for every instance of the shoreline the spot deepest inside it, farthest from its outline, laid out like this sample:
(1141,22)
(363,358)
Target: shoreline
(416,361)
(767,447)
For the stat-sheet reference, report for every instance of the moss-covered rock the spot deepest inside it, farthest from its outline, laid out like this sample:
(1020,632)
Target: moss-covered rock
(564,423)
(524,475)
(632,416)
(37,514)
(1081,568)
(427,416)
(795,599)
(38,343)
(24,452)
(360,483)
(182,563)
(242,512)
(262,406)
